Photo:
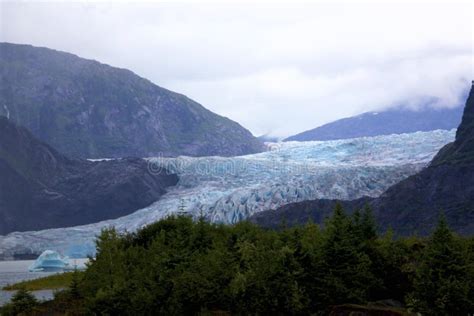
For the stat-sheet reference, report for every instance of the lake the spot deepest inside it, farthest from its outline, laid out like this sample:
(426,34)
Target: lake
(16,271)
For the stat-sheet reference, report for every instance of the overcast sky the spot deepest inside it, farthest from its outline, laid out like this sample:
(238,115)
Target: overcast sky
(277,69)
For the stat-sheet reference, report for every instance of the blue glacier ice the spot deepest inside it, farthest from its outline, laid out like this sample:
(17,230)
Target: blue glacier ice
(49,261)
(227,190)
(80,250)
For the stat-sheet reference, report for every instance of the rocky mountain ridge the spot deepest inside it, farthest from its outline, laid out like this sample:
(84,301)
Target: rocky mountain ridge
(386,122)
(41,188)
(91,110)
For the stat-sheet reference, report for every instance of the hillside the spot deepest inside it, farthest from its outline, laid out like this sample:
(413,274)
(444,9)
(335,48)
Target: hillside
(87,109)
(414,204)
(41,188)
(393,121)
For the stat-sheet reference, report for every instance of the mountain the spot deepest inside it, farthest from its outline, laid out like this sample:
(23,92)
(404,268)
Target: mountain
(393,121)
(414,204)
(41,188)
(461,151)
(91,110)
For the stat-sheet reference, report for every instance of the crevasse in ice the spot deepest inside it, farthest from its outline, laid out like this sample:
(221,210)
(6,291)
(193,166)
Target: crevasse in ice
(228,190)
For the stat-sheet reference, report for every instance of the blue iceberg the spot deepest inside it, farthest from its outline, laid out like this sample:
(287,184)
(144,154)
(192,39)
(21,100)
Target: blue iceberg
(49,261)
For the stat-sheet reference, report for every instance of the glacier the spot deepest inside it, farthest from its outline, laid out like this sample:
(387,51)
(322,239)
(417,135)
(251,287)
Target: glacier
(227,190)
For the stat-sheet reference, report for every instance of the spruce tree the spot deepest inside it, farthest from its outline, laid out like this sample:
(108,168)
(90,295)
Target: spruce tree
(74,286)
(345,274)
(443,283)
(368,225)
(22,303)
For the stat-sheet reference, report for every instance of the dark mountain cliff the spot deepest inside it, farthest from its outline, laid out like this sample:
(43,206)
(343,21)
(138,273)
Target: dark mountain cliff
(414,204)
(40,188)
(461,151)
(91,110)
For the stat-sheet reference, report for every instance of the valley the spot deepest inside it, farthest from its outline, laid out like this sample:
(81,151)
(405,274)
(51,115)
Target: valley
(228,190)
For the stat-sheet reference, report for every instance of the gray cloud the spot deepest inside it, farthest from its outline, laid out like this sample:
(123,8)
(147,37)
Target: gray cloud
(275,68)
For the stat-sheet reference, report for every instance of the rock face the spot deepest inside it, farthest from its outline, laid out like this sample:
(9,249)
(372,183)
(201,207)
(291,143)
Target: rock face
(40,188)
(87,109)
(461,151)
(414,204)
(395,121)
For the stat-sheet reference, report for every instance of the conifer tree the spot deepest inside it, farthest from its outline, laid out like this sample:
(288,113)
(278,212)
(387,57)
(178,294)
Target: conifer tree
(22,303)
(74,286)
(345,271)
(442,285)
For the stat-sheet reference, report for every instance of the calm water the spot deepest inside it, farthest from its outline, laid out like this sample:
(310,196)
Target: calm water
(15,271)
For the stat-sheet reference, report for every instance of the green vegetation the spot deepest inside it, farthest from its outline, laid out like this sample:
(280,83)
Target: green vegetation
(22,303)
(52,282)
(178,266)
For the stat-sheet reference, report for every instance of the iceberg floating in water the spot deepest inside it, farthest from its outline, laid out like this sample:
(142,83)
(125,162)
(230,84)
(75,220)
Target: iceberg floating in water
(230,189)
(49,260)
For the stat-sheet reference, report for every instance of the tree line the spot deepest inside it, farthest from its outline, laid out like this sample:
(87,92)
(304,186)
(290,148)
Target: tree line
(178,266)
